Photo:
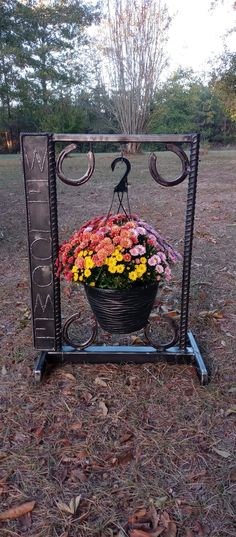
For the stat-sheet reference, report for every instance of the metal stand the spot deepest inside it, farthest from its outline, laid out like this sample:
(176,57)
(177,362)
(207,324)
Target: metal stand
(40,168)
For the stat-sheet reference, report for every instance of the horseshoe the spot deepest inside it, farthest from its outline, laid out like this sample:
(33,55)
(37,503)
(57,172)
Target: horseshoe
(185,166)
(82,345)
(86,176)
(163,346)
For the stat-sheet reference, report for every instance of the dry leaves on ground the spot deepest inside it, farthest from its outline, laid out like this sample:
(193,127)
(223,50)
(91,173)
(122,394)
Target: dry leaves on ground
(16,512)
(150,523)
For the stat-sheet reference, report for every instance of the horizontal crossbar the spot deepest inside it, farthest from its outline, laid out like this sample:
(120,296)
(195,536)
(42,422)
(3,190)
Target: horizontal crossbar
(123,138)
(124,354)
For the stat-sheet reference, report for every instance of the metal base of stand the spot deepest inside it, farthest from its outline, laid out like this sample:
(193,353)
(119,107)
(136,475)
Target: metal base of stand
(125,355)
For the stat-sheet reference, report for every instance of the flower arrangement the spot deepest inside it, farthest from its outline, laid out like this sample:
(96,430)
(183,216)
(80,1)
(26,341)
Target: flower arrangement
(116,252)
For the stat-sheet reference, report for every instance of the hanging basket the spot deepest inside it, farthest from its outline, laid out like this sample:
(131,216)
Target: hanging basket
(122,311)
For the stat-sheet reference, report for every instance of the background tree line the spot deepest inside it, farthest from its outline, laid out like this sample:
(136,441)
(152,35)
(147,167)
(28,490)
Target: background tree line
(51,75)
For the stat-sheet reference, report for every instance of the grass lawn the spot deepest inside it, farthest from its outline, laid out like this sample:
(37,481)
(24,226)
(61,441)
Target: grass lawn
(164,441)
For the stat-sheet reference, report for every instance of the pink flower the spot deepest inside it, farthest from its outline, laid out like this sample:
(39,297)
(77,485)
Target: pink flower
(141,231)
(116,239)
(102,254)
(154,260)
(141,249)
(137,261)
(127,257)
(159,269)
(69,276)
(134,251)
(79,262)
(125,243)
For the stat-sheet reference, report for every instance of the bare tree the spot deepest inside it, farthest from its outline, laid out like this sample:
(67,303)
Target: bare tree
(134,39)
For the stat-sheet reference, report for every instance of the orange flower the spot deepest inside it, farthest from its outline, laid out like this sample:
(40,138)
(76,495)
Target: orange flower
(125,243)
(127,257)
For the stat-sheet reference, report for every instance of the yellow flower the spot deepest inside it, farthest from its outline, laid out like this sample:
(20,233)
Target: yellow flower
(87,273)
(76,275)
(112,261)
(88,262)
(143,260)
(81,278)
(92,284)
(133,275)
(120,269)
(141,269)
(85,252)
(80,254)
(75,269)
(112,269)
(90,253)
(119,257)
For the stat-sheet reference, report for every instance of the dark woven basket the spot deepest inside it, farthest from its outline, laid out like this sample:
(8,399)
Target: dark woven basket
(122,311)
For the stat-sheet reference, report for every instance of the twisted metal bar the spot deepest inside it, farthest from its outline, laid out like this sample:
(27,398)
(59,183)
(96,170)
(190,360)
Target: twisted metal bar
(85,177)
(159,346)
(188,239)
(184,161)
(54,235)
(86,343)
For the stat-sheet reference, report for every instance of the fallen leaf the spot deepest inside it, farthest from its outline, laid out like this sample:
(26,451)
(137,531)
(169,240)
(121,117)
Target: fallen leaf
(174,314)
(64,507)
(70,509)
(68,376)
(103,408)
(77,426)
(146,520)
(213,314)
(3,455)
(231,410)
(137,517)
(99,382)
(78,475)
(126,437)
(232,475)
(74,504)
(222,453)
(126,457)
(16,512)
(137,340)
(171,531)
(87,396)
(165,519)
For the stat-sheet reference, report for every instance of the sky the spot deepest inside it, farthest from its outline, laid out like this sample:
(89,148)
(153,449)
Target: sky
(197,32)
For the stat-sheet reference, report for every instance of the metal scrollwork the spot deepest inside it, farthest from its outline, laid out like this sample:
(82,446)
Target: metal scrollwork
(184,161)
(85,177)
(159,346)
(72,343)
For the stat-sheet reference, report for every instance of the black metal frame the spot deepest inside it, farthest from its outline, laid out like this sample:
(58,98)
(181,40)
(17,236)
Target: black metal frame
(40,168)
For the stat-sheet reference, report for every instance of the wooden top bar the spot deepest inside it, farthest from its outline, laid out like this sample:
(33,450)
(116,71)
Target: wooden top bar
(123,138)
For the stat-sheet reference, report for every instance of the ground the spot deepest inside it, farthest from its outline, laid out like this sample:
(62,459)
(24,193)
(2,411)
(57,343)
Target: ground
(123,437)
